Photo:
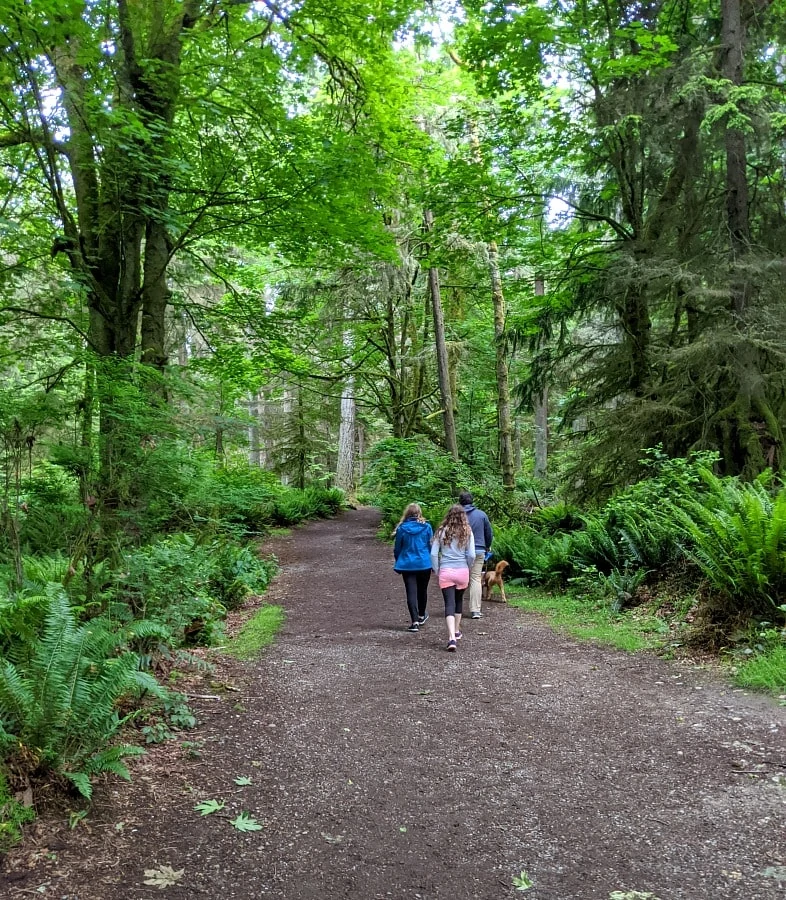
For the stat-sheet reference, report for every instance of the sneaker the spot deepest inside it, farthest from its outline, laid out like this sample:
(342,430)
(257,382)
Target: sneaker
(423,619)
(459,635)
(413,627)
(476,615)
(451,646)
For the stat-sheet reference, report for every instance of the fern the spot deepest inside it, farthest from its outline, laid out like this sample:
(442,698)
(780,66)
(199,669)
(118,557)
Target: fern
(60,698)
(736,535)
(42,570)
(107,761)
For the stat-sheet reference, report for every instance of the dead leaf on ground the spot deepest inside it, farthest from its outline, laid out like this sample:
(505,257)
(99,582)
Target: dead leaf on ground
(332,839)
(163,876)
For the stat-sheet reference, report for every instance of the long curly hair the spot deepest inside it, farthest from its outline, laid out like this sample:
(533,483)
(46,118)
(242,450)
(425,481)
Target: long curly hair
(455,526)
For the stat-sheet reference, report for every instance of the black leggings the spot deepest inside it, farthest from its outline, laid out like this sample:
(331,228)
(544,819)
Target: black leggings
(416,586)
(454,597)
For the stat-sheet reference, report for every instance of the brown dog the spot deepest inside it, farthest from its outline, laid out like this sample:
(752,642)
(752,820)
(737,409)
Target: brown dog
(493,578)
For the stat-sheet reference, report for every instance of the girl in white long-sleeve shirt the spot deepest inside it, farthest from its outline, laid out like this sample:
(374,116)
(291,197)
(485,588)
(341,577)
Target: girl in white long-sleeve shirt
(452,556)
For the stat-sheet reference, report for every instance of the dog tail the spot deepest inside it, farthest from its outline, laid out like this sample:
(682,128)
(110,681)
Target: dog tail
(501,566)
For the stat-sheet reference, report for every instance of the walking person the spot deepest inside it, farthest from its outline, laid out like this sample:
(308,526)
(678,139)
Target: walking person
(452,556)
(412,558)
(483,534)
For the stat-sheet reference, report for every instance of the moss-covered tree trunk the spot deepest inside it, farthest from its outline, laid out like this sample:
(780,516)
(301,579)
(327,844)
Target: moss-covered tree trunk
(504,419)
(541,409)
(443,365)
(750,424)
(118,242)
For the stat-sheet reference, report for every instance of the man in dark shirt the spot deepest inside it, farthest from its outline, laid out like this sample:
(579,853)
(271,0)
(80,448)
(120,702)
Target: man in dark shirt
(481,529)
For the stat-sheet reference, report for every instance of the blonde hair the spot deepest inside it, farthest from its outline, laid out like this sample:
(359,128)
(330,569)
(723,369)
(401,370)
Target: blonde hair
(455,526)
(413,511)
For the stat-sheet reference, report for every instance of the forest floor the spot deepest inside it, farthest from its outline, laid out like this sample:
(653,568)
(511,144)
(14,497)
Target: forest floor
(381,766)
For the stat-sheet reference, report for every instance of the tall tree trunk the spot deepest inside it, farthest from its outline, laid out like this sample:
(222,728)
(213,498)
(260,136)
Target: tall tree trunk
(753,420)
(302,461)
(361,454)
(254,436)
(443,370)
(395,363)
(117,242)
(155,296)
(541,408)
(345,464)
(345,467)
(733,39)
(504,420)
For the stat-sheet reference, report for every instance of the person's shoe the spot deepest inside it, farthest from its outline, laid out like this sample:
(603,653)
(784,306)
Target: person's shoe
(423,619)
(459,635)
(476,615)
(451,648)
(413,627)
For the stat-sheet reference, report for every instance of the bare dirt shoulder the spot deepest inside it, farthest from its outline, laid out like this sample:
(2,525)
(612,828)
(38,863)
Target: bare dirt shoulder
(381,766)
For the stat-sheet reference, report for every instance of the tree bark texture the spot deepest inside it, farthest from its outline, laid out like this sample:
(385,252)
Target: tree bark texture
(443,370)
(751,429)
(504,419)
(541,409)
(254,430)
(345,464)
(118,241)
(345,467)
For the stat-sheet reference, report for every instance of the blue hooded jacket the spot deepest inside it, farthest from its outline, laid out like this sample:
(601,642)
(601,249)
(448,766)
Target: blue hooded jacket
(412,549)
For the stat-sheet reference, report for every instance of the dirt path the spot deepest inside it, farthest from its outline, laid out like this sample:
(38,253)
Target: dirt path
(384,767)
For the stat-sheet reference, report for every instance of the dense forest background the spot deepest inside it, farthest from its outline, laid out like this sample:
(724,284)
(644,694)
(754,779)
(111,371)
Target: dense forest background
(262,258)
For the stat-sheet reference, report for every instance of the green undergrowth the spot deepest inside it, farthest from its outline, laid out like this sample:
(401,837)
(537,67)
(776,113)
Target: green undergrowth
(585,619)
(257,633)
(765,670)
(13,816)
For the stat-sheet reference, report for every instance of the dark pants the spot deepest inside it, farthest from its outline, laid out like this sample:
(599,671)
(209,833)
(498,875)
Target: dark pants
(416,586)
(454,598)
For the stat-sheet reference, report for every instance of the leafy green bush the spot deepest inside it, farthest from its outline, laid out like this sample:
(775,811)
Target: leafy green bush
(237,572)
(169,581)
(238,501)
(633,533)
(60,695)
(558,516)
(402,471)
(293,505)
(736,535)
(21,617)
(13,814)
(233,499)
(162,719)
(598,546)
(188,585)
(615,589)
(521,546)
(538,559)
(53,514)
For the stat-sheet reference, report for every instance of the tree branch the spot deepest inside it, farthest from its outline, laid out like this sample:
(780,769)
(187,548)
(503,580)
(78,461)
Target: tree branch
(32,314)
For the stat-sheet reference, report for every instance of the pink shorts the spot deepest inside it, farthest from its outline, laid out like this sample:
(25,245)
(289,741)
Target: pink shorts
(458,578)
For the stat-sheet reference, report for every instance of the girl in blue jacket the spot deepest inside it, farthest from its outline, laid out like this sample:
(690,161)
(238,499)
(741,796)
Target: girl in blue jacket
(411,554)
